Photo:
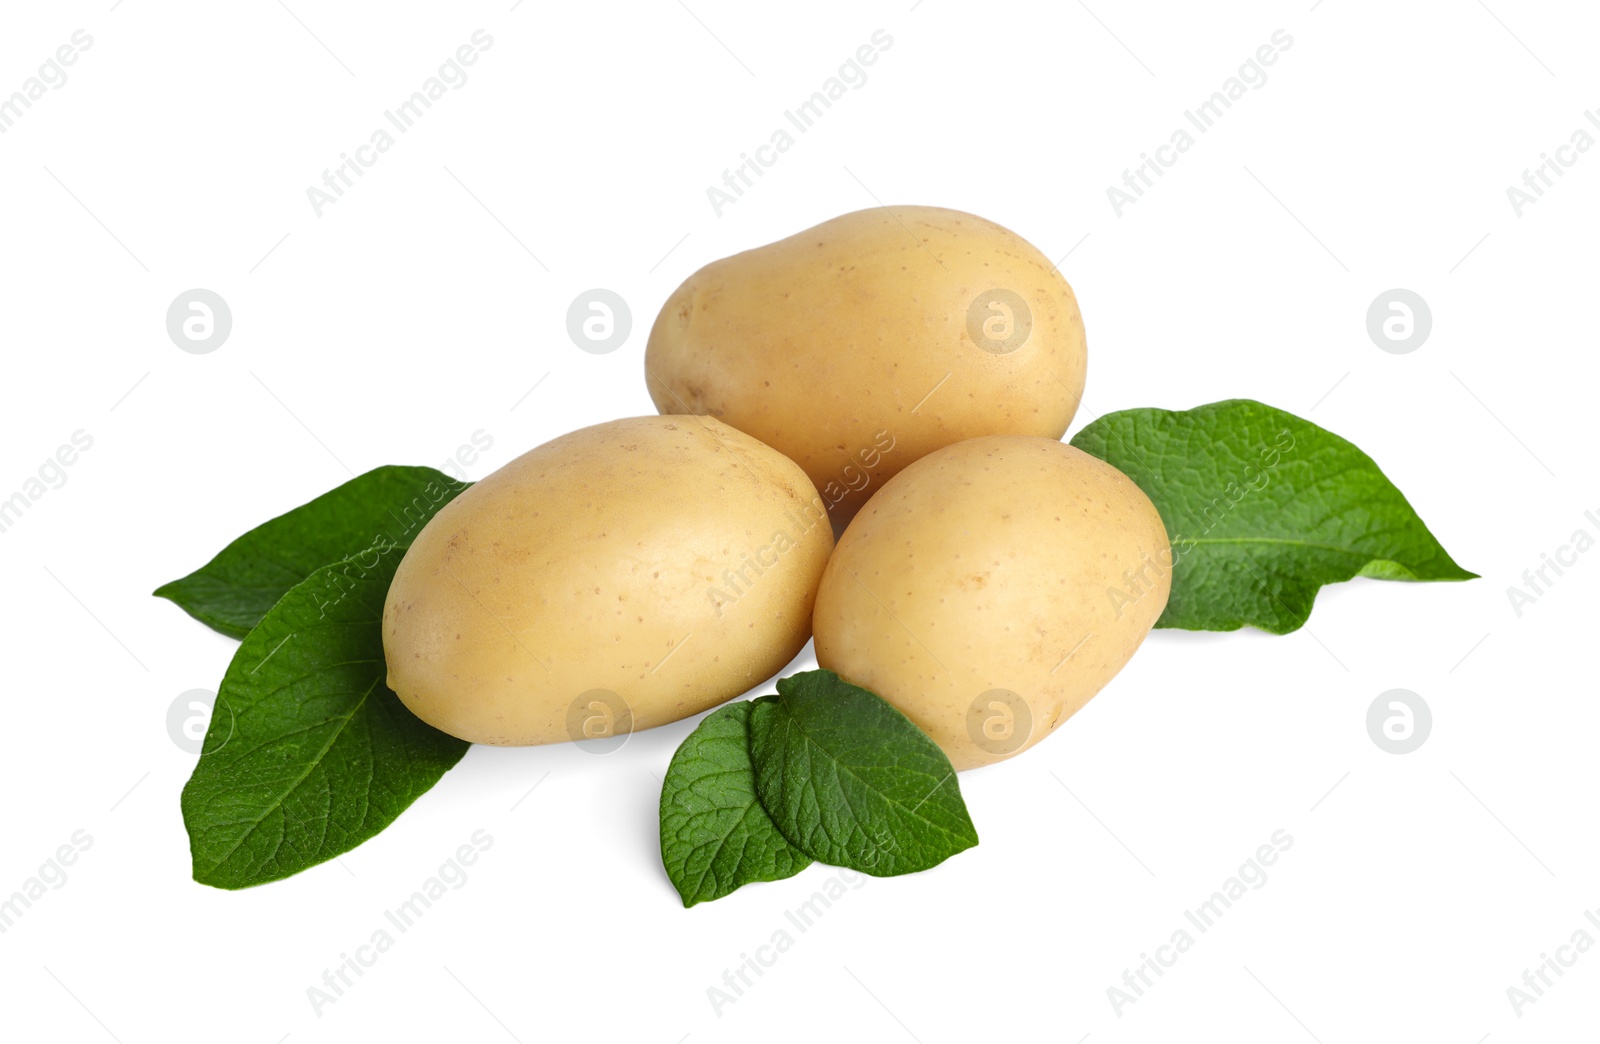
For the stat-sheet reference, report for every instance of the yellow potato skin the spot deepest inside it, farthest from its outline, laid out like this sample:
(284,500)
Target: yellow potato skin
(672,561)
(990,565)
(857,335)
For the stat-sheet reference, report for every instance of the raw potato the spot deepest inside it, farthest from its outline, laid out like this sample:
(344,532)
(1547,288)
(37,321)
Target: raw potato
(618,578)
(860,345)
(991,588)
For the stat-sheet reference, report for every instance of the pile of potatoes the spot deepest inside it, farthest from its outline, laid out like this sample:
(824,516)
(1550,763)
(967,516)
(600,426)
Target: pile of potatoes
(899,378)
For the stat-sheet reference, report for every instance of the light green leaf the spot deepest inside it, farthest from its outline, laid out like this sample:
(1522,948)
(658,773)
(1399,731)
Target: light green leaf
(1263,509)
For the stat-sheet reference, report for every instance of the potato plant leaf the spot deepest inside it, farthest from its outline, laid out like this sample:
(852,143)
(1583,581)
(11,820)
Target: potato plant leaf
(849,780)
(715,836)
(1263,508)
(385,507)
(308,753)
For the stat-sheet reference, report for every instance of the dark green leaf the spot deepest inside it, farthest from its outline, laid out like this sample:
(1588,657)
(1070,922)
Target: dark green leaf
(715,836)
(386,507)
(851,781)
(1263,509)
(309,753)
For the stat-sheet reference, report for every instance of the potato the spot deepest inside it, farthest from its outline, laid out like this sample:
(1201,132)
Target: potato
(860,345)
(615,579)
(993,587)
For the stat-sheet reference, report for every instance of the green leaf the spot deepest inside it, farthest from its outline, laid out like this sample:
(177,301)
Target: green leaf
(715,836)
(309,753)
(1263,509)
(851,781)
(386,507)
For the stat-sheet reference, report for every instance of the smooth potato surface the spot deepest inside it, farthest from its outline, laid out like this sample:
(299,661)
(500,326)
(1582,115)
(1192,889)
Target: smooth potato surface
(617,578)
(860,345)
(993,587)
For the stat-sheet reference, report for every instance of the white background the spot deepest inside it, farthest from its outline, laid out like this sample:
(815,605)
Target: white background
(423,306)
